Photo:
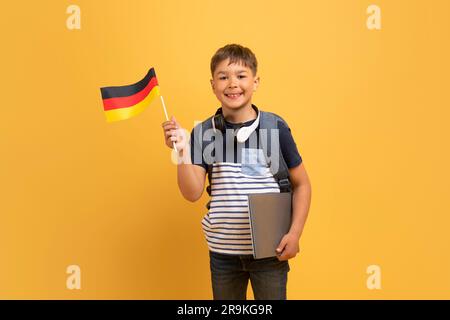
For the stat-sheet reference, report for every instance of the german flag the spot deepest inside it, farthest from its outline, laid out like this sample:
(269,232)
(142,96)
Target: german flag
(124,102)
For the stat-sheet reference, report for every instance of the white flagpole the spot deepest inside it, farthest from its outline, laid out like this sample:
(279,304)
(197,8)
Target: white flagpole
(167,118)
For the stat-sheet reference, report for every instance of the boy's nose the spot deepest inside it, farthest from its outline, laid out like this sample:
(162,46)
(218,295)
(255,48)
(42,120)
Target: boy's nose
(232,84)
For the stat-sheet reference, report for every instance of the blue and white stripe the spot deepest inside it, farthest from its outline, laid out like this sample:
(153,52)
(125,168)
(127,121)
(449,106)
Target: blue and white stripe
(226,225)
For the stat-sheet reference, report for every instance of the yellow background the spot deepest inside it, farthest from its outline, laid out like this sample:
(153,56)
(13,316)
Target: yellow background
(369,111)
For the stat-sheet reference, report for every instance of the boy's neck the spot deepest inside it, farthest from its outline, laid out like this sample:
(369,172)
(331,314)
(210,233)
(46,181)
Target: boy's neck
(240,115)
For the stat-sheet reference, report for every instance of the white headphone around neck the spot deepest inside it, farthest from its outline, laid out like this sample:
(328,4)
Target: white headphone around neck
(218,123)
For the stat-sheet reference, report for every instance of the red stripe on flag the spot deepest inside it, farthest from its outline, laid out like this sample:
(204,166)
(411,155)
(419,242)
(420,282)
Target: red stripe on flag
(124,102)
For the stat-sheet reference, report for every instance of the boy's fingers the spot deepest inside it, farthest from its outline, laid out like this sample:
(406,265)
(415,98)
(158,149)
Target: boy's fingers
(170,133)
(282,245)
(283,253)
(169,128)
(283,257)
(167,124)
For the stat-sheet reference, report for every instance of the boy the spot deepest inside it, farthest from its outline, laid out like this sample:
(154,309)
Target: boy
(235,169)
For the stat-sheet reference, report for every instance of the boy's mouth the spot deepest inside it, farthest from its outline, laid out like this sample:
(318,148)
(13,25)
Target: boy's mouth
(233,95)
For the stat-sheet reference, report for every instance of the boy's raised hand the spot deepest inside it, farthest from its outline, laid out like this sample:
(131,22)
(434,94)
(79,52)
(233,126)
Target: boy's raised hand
(173,133)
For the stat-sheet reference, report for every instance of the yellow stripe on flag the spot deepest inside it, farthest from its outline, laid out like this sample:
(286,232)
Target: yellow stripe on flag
(126,113)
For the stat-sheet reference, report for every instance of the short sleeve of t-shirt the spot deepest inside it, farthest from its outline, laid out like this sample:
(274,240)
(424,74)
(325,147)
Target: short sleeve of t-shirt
(288,146)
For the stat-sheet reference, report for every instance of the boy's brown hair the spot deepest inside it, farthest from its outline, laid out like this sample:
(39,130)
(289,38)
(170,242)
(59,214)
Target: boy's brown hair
(236,53)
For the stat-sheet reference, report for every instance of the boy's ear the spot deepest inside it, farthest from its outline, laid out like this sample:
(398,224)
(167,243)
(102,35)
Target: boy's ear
(212,83)
(256,83)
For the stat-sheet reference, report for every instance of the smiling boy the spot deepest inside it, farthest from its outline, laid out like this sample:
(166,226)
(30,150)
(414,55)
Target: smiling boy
(232,178)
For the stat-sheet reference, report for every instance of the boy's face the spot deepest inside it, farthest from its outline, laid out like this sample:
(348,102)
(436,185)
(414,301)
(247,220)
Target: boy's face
(234,84)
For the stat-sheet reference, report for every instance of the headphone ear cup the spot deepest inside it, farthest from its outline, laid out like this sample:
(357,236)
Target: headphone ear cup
(219,122)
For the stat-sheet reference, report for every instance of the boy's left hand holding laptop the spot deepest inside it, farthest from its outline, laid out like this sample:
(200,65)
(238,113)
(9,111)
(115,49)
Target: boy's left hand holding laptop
(288,247)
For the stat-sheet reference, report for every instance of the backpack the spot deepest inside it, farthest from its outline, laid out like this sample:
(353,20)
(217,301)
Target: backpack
(267,121)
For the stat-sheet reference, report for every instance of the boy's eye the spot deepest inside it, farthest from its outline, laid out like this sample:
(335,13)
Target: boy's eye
(224,78)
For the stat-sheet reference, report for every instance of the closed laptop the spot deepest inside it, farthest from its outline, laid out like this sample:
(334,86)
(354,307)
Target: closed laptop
(270,219)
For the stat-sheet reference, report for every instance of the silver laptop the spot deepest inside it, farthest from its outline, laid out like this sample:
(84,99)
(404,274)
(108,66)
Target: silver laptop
(270,219)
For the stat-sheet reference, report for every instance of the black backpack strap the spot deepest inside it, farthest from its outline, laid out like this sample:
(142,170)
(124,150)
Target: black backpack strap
(278,166)
(208,188)
(199,129)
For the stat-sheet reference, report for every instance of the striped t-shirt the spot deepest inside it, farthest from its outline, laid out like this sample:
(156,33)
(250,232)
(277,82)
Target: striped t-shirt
(226,224)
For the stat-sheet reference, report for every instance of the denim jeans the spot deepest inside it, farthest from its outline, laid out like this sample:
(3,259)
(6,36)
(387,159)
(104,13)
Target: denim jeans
(230,275)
